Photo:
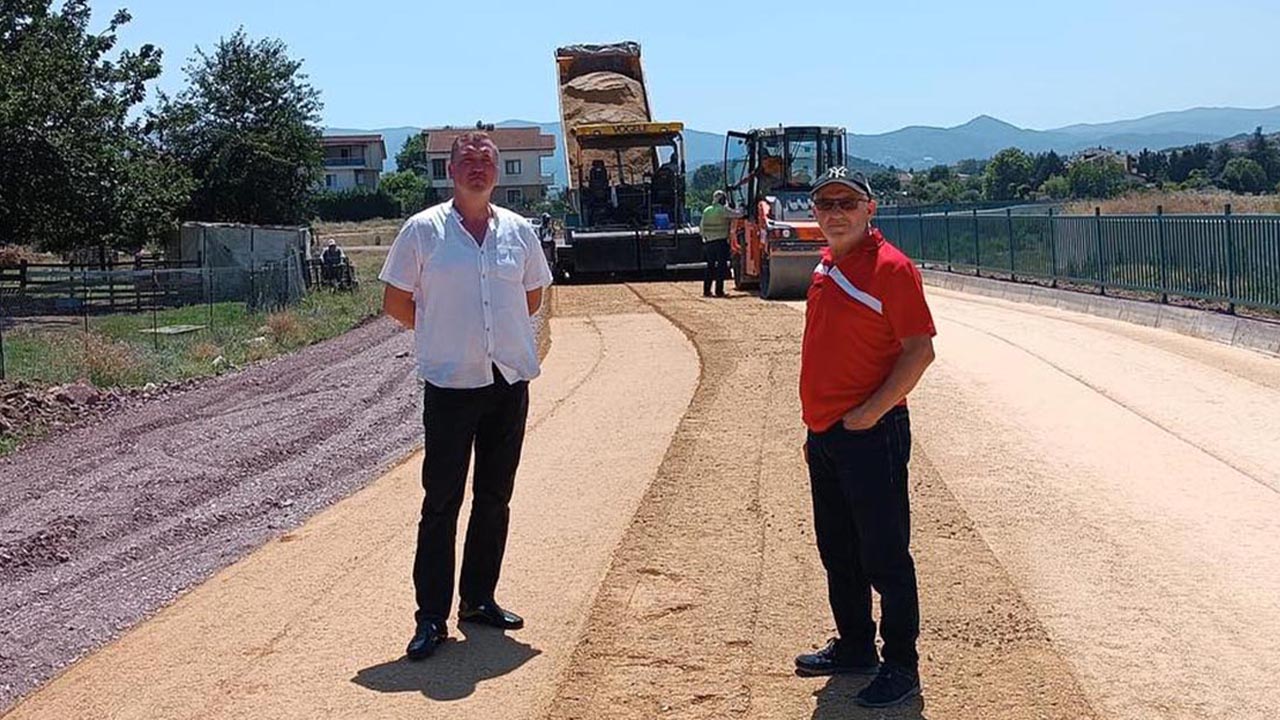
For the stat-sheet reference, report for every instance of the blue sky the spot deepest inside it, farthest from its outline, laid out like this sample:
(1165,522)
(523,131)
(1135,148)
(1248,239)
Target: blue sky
(871,67)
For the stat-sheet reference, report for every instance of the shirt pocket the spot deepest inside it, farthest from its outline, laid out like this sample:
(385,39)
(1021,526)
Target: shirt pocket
(508,261)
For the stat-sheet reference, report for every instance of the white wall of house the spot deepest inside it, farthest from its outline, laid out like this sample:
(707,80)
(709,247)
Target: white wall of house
(527,163)
(348,178)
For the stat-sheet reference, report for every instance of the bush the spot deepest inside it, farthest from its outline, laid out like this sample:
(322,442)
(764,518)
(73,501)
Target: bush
(1244,175)
(1197,180)
(355,205)
(1056,187)
(100,359)
(284,329)
(204,352)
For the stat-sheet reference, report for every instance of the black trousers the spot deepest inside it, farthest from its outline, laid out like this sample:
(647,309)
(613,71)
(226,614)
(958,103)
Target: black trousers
(862,520)
(716,253)
(491,419)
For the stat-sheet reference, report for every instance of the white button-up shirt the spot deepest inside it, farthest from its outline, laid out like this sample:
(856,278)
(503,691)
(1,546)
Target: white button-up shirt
(472,311)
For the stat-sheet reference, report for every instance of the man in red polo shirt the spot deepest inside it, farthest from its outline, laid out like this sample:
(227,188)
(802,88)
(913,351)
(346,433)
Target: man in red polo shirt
(868,338)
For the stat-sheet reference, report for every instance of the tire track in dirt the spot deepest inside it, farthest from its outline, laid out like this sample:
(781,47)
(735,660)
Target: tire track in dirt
(717,584)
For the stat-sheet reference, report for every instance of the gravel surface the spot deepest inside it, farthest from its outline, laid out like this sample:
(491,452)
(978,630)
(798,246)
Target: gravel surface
(717,584)
(314,624)
(103,524)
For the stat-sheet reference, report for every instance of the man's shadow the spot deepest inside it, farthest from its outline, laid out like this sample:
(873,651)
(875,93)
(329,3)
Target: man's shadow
(455,669)
(835,702)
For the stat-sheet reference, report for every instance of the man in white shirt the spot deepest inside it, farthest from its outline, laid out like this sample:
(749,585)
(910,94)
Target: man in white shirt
(466,275)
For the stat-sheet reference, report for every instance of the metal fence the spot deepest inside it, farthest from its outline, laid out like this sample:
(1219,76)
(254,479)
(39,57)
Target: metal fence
(1226,258)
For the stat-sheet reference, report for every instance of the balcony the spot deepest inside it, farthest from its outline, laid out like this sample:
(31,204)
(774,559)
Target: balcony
(334,162)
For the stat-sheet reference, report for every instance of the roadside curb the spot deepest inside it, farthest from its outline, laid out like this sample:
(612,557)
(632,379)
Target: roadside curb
(1218,327)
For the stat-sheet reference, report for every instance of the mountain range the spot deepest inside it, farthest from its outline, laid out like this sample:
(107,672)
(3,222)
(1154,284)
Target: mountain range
(920,147)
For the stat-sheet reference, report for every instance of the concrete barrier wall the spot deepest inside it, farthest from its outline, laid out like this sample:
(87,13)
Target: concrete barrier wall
(1219,327)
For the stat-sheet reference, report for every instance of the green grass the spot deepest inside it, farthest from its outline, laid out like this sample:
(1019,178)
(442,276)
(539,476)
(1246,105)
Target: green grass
(115,353)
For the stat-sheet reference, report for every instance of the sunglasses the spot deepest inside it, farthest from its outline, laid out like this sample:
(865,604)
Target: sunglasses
(845,204)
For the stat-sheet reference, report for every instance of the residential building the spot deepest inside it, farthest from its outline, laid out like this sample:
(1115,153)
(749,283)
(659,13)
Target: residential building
(1100,155)
(352,161)
(520,150)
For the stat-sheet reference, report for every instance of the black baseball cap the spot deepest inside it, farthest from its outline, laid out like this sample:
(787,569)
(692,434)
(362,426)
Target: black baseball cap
(844,176)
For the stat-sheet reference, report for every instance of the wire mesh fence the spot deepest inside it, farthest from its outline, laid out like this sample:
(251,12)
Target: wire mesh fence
(62,320)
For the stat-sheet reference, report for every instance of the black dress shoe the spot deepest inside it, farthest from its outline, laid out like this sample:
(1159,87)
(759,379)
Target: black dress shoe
(837,659)
(429,636)
(488,613)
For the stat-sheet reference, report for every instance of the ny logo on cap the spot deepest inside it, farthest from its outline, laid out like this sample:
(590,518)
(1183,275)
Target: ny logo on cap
(838,172)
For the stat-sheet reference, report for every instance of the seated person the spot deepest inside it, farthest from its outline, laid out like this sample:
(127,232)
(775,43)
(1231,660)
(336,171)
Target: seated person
(769,172)
(331,261)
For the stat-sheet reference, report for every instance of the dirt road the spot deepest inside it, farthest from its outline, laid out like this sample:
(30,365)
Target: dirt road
(1129,481)
(1095,507)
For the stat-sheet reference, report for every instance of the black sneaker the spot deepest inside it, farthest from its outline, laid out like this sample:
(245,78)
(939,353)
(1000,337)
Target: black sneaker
(893,685)
(837,659)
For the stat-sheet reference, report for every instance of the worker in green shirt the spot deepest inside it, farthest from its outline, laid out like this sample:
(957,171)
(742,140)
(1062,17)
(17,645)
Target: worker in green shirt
(716,219)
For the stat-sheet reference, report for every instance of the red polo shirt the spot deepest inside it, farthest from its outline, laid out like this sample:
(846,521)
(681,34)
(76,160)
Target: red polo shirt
(859,310)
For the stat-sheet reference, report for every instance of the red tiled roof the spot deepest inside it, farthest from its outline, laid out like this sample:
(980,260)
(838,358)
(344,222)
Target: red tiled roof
(523,138)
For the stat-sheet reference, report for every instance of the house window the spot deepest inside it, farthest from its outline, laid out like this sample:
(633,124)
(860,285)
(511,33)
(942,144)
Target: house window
(515,196)
(439,169)
(329,180)
(513,167)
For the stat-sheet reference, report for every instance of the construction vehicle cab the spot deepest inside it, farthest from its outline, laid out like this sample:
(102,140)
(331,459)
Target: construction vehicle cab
(768,174)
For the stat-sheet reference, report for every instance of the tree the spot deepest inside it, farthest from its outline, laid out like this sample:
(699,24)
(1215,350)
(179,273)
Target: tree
(1260,150)
(702,185)
(408,188)
(77,170)
(1222,155)
(971,167)
(1096,180)
(247,127)
(885,182)
(413,156)
(1145,166)
(1007,175)
(1245,175)
(1045,166)
(940,174)
(1197,180)
(942,193)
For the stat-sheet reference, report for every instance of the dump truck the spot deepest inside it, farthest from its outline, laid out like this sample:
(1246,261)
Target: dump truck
(769,173)
(626,172)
